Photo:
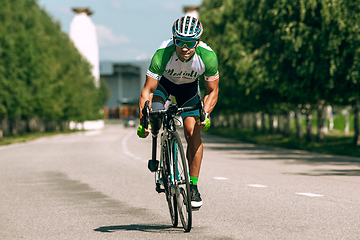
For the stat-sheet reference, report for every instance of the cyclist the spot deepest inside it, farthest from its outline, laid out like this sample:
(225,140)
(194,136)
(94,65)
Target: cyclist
(175,69)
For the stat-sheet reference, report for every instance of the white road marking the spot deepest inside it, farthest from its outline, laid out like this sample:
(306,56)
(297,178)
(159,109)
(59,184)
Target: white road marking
(257,185)
(220,178)
(125,148)
(310,194)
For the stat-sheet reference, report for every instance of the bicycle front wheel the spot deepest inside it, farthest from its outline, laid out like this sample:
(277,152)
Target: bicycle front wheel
(166,178)
(182,185)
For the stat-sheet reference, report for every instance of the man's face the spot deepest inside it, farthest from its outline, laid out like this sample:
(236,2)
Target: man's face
(184,52)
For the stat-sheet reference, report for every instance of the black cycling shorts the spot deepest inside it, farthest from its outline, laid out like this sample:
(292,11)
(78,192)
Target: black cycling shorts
(186,95)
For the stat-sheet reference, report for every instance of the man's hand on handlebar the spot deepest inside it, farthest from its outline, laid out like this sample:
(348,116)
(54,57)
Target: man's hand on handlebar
(145,128)
(142,132)
(205,125)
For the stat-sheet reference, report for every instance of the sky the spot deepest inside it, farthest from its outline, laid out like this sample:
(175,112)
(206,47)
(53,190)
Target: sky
(126,30)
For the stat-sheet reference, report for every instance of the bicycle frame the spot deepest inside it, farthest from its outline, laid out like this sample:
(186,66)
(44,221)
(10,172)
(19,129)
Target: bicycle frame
(168,127)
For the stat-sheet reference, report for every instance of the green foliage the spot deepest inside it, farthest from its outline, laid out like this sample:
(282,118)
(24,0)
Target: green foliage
(41,72)
(275,55)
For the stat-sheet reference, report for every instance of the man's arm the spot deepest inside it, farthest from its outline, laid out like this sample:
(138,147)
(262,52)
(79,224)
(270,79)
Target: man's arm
(210,99)
(147,93)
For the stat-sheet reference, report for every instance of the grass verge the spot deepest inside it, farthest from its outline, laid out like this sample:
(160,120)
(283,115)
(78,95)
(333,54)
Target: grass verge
(335,143)
(30,136)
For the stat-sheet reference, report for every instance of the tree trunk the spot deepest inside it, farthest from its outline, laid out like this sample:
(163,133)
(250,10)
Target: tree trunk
(217,121)
(299,131)
(280,129)
(64,125)
(321,121)
(5,126)
(347,120)
(248,121)
(287,121)
(15,127)
(221,122)
(33,123)
(233,121)
(271,124)
(330,117)
(255,126)
(1,132)
(50,125)
(263,123)
(309,133)
(241,122)
(356,122)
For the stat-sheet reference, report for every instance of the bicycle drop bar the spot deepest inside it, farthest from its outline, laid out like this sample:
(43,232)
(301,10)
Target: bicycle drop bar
(172,110)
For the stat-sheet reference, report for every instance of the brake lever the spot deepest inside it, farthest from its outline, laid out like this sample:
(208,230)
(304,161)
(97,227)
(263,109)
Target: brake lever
(201,109)
(146,113)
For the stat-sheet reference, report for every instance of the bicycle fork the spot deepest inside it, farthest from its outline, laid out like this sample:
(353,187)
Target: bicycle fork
(166,161)
(159,173)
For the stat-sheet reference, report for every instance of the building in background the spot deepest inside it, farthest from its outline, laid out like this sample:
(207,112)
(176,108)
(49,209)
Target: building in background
(124,83)
(83,34)
(123,80)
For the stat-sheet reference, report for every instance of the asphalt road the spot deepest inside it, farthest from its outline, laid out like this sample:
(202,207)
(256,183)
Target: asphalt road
(96,185)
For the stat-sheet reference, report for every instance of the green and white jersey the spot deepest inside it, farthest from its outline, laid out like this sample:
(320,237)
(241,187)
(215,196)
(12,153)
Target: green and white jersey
(166,62)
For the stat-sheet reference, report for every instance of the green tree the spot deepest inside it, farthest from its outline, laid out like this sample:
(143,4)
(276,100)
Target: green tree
(42,74)
(277,55)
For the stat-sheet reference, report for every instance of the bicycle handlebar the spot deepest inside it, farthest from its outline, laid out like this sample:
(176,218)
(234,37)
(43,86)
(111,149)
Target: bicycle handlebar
(172,110)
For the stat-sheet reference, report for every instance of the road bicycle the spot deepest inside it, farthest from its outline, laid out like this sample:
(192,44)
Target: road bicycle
(171,172)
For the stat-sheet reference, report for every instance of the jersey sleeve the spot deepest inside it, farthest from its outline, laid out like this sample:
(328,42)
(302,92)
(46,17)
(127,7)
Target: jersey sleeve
(211,69)
(210,60)
(160,59)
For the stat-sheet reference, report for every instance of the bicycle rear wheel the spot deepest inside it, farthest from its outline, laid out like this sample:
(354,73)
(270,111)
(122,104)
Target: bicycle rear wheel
(166,178)
(182,185)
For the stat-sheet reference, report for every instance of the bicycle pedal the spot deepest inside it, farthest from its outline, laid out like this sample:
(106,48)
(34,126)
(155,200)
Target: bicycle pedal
(159,189)
(153,165)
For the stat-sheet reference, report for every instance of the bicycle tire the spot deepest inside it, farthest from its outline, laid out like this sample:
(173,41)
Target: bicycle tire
(166,178)
(182,186)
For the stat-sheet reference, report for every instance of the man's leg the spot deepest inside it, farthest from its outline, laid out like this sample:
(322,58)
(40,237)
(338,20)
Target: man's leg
(194,151)
(194,155)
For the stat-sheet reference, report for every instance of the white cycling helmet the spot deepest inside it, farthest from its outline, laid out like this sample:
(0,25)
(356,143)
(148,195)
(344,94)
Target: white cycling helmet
(187,28)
